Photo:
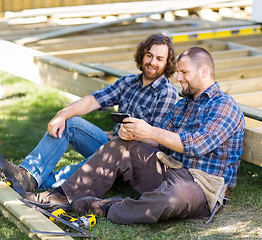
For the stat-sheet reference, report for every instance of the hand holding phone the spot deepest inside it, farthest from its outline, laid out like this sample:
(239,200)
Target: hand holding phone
(119,117)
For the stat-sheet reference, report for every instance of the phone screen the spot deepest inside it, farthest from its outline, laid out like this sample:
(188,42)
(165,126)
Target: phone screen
(119,117)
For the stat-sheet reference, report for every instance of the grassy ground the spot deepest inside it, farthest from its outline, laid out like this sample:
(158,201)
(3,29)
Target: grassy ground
(24,114)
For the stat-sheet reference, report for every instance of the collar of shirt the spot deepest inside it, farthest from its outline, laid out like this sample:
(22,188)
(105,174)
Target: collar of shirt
(154,84)
(209,92)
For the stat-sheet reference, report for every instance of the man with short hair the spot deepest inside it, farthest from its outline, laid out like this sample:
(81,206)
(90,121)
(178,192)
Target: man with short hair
(147,96)
(204,132)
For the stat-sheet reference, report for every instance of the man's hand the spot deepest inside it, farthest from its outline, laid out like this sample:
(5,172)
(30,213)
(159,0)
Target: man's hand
(124,134)
(56,126)
(136,129)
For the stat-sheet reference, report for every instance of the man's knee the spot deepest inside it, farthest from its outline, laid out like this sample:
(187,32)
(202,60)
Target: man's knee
(74,121)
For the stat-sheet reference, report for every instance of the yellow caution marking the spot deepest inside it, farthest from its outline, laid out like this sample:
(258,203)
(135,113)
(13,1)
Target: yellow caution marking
(217,33)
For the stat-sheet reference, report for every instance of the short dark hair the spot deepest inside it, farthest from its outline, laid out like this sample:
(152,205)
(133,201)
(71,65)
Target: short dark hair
(158,39)
(199,57)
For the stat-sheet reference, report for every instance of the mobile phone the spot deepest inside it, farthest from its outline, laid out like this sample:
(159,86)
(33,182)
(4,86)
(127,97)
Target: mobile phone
(119,117)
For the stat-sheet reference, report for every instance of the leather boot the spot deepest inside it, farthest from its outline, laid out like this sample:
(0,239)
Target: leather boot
(15,173)
(97,205)
(50,198)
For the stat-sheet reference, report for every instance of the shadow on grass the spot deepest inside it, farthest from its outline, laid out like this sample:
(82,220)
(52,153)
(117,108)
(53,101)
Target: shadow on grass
(23,119)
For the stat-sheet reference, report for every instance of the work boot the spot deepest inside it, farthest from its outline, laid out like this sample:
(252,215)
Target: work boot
(97,205)
(49,198)
(15,173)
(169,161)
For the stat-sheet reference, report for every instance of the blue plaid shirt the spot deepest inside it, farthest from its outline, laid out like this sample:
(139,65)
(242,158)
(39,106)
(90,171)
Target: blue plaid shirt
(149,103)
(211,129)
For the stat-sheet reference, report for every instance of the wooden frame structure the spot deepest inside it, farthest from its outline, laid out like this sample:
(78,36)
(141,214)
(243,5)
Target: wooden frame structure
(85,58)
(81,63)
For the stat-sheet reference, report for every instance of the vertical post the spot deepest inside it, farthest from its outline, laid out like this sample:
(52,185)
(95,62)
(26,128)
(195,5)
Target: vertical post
(256,11)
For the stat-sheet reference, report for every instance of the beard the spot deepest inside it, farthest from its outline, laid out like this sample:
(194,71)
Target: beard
(189,91)
(151,75)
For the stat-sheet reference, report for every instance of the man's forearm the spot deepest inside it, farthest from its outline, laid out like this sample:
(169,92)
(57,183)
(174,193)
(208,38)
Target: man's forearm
(167,138)
(81,107)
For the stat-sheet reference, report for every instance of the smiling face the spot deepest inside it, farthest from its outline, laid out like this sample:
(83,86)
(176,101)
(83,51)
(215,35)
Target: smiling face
(154,63)
(189,77)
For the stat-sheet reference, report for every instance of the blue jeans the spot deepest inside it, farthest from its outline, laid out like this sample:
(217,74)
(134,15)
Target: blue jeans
(85,138)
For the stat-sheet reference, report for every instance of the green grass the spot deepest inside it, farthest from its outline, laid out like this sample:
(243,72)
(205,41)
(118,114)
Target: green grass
(24,115)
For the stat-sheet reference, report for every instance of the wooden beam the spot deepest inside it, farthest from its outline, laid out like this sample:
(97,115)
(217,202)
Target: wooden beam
(110,9)
(102,58)
(251,112)
(109,54)
(107,69)
(230,54)
(253,51)
(253,123)
(123,65)
(239,73)
(69,81)
(84,42)
(253,99)
(239,62)
(25,218)
(94,51)
(165,6)
(43,69)
(252,146)
(242,86)
(81,28)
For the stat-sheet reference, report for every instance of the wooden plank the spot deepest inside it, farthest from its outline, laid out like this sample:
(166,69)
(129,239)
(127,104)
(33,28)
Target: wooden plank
(209,45)
(230,54)
(252,146)
(104,50)
(129,7)
(253,51)
(85,27)
(123,65)
(68,66)
(242,86)
(101,58)
(253,123)
(255,41)
(106,55)
(239,73)
(229,4)
(26,218)
(125,62)
(239,62)
(68,81)
(251,112)
(253,99)
(84,42)
(107,69)
(81,28)
(42,69)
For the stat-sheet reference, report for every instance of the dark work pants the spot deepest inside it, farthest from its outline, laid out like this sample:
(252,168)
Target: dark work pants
(165,193)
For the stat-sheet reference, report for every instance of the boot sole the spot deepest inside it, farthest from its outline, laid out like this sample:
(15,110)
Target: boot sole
(51,205)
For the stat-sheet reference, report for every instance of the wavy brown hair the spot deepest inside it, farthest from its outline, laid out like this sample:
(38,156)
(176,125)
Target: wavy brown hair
(158,39)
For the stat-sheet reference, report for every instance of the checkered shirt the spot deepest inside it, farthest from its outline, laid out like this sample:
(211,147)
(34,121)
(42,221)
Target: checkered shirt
(211,129)
(149,103)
